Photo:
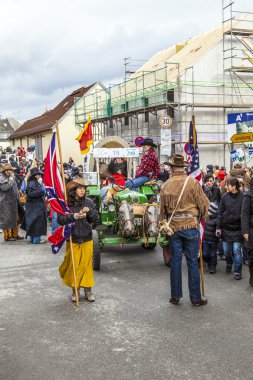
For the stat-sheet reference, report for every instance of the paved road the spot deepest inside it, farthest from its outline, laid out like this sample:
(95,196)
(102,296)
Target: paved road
(130,332)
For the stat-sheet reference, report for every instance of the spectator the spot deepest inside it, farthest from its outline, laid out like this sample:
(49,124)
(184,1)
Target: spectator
(229,226)
(247,227)
(35,221)
(210,240)
(210,189)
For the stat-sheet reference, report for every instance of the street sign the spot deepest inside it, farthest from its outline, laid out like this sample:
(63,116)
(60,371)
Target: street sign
(242,137)
(187,148)
(165,121)
(239,117)
(138,141)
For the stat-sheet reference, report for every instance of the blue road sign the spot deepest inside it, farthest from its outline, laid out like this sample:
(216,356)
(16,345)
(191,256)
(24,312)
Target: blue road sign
(239,117)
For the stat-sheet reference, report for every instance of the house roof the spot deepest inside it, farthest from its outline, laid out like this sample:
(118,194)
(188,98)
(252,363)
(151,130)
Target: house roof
(47,120)
(167,64)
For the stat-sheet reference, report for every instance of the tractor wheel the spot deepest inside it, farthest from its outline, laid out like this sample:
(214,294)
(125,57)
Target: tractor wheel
(150,246)
(96,250)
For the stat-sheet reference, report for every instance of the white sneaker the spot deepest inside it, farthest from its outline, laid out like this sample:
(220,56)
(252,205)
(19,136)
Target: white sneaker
(73,297)
(89,295)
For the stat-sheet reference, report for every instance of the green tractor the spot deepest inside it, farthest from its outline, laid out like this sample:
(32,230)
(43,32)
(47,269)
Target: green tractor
(127,218)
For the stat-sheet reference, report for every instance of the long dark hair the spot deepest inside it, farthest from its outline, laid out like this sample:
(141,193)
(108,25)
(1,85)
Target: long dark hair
(71,198)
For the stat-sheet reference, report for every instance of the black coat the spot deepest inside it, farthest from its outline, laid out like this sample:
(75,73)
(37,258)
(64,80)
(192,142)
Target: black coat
(35,221)
(229,217)
(213,194)
(113,168)
(163,176)
(210,228)
(82,229)
(247,218)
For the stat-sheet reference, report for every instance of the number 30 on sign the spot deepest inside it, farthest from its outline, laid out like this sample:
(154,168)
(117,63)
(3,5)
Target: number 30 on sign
(165,121)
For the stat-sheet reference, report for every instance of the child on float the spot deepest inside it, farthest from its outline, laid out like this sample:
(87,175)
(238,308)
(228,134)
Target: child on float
(83,215)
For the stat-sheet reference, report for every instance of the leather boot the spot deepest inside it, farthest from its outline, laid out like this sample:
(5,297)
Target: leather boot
(251,273)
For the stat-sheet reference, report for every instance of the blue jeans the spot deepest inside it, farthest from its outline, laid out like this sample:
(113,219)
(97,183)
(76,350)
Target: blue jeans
(103,192)
(55,224)
(35,239)
(186,242)
(210,253)
(233,249)
(135,183)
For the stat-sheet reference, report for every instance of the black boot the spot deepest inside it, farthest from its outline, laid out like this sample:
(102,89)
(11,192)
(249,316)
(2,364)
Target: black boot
(251,273)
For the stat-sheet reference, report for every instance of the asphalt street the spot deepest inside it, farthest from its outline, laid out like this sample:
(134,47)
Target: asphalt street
(130,332)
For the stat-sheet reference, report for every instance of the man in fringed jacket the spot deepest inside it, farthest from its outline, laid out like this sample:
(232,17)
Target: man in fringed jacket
(185,224)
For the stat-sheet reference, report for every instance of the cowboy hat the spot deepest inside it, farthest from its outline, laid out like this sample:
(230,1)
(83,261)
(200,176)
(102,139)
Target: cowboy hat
(6,167)
(148,142)
(177,160)
(35,171)
(72,185)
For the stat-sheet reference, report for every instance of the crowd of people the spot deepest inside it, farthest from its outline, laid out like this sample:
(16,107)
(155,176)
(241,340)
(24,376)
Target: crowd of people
(222,207)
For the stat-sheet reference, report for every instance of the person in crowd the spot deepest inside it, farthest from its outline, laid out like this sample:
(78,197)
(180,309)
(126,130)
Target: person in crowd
(210,189)
(209,169)
(220,178)
(19,177)
(149,167)
(210,240)
(247,227)
(35,221)
(29,165)
(9,204)
(164,174)
(185,226)
(118,165)
(71,162)
(229,226)
(117,170)
(83,215)
(13,162)
(241,174)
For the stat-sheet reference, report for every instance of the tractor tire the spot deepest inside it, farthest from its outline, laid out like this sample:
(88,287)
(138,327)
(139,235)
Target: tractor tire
(96,259)
(150,246)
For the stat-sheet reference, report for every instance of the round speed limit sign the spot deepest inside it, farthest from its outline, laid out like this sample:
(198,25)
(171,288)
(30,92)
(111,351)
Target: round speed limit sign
(165,121)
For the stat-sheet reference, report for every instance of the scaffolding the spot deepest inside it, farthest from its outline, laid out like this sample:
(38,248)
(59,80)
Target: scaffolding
(172,89)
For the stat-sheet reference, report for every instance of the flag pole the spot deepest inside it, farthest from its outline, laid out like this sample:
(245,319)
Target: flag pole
(200,246)
(65,195)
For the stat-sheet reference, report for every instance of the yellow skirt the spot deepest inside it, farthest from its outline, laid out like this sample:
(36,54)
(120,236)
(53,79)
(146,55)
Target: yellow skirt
(83,253)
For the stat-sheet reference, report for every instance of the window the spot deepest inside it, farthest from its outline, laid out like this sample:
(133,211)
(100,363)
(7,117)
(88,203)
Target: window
(126,120)
(146,116)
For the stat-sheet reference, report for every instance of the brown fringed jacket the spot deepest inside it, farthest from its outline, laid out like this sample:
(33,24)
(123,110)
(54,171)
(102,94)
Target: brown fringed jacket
(192,206)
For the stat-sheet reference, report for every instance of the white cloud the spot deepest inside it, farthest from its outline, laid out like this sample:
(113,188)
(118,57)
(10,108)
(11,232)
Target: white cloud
(51,47)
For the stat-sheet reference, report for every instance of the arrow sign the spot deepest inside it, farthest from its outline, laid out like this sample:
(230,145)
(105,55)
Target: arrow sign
(242,137)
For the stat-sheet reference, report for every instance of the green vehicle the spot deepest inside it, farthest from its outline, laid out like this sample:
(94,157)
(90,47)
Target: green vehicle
(129,217)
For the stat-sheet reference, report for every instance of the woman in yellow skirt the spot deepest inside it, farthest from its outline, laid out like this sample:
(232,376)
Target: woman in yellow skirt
(83,215)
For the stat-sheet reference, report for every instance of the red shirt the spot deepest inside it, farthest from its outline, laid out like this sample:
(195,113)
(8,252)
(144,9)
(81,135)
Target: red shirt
(149,164)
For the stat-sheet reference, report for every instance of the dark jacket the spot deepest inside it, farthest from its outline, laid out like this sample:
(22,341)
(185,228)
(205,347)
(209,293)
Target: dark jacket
(8,202)
(35,221)
(163,176)
(210,228)
(247,218)
(229,217)
(82,229)
(213,194)
(113,168)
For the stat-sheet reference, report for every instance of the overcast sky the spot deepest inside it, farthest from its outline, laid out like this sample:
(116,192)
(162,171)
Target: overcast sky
(51,47)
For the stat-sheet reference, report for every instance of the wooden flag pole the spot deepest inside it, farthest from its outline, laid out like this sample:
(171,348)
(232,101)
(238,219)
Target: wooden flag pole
(201,270)
(65,195)
(200,246)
